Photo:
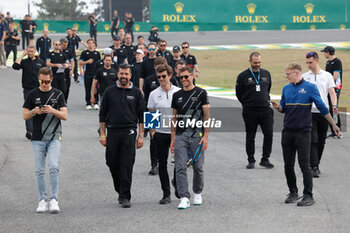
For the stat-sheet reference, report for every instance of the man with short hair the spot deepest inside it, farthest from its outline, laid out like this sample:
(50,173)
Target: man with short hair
(335,67)
(136,68)
(296,102)
(253,92)
(68,72)
(73,45)
(176,57)
(100,63)
(144,48)
(162,52)
(325,84)
(88,60)
(189,104)
(46,106)
(115,24)
(178,66)
(160,100)
(140,40)
(43,45)
(147,68)
(188,58)
(120,56)
(129,48)
(2,44)
(30,73)
(58,62)
(93,26)
(11,42)
(121,111)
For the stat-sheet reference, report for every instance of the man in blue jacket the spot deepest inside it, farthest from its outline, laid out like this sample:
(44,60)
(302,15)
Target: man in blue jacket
(296,102)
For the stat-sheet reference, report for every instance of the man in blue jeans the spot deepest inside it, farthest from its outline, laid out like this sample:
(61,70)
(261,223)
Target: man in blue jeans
(47,107)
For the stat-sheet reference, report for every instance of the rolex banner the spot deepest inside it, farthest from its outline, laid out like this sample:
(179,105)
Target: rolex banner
(202,15)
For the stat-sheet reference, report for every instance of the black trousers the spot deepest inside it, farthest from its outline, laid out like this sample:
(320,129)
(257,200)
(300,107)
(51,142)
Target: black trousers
(114,31)
(293,142)
(29,123)
(318,138)
(153,152)
(59,82)
(163,144)
(68,81)
(13,48)
(88,78)
(25,39)
(93,34)
(253,118)
(120,158)
(76,75)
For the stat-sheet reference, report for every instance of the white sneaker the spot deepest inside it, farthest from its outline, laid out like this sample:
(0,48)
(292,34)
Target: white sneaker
(3,67)
(184,204)
(53,206)
(197,199)
(96,107)
(42,207)
(88,107)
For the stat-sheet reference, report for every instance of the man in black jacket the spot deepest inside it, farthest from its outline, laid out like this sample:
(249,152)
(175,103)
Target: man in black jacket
(121,110)
(43,45)
(30,67)
(253,92)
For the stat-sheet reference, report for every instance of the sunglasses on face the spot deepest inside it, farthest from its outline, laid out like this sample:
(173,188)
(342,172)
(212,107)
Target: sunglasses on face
(44,81)
(184,77)
(185,47)
(161,76)
(151,49)
(162,45)
(58,44)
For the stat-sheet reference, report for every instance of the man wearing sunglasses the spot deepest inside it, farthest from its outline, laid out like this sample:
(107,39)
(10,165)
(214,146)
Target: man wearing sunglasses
(58,62)
(147,67)
(253,92)
(325,84)
(162,52)
(188,58)
(47,107)
(30,69)
(189,104)
(160,100)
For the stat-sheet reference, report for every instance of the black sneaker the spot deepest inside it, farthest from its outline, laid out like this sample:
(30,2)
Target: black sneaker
(250,166)
(306,201)
(292,198)
(153,171)
(125,203)
(266,163)
(176,193)
(314,172)
(332,135)
(28,135)
(165,200)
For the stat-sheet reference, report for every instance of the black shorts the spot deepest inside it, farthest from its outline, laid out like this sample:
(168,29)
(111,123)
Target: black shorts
(31,36)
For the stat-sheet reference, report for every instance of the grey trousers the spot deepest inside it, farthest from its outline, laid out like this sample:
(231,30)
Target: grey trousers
(2,55)
(181,147)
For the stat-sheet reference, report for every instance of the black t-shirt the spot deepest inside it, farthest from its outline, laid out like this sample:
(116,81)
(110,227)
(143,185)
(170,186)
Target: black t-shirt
(167,55)
(100,64)
(93,26)
(115,21)
(25,25)
(189,107)
(73,43)
(173,63)
(147,68)
(69,56)
(246,89)
(86,55)
(130,51)
(128,23)
(56,58)
(106,78)
(335,65)
(30,71)
(119,55)
(151,83)
(190,60)
(136,73)
(46,127)
(9,40)
(33,23)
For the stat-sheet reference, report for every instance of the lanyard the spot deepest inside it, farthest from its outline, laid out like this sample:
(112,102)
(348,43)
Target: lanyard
(256,80)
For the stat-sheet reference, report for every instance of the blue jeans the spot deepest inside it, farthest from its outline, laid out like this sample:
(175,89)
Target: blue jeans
(51,149)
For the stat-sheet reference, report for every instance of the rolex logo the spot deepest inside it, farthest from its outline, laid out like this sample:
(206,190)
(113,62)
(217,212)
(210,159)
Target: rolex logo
(137,27)
(225,28)
(312,27)
(309,7)
(106,26)
(76,26)
(179,7)
(46,26)
(342,27)
(254,27)
(251,8)
(196,28)
(283,27)
(166,28)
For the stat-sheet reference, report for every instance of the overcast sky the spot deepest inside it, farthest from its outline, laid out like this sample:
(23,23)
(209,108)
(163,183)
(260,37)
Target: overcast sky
(19,8)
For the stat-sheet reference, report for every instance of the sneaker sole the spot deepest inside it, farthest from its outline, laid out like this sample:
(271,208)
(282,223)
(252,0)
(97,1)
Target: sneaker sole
(197,204)
(182,208)
(311,203)
(54,211)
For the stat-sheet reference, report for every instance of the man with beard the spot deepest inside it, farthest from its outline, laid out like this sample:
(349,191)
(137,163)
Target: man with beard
(253,92)
(147,68)
(121,110)
(162,52)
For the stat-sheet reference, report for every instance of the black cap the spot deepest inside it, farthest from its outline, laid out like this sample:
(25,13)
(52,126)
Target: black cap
(176,49)
(117,38)
(328,49)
